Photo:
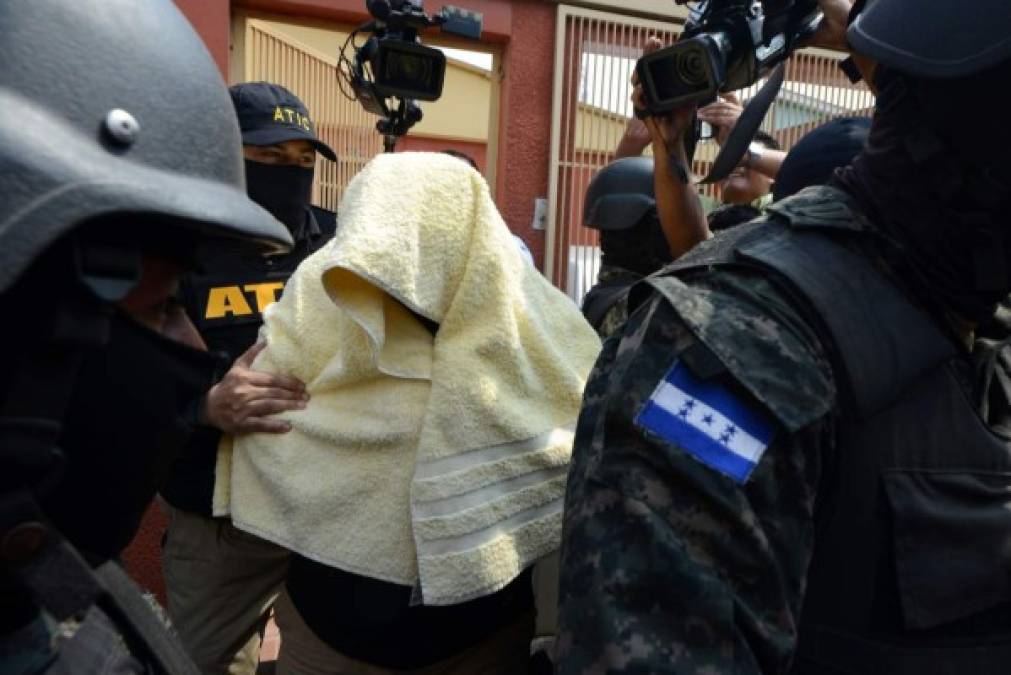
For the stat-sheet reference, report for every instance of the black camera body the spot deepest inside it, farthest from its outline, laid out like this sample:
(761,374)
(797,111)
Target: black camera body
(393,64)
(726,45)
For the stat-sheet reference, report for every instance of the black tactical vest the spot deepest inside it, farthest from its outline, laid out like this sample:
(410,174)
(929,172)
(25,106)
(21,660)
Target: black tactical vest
(911,572)
(611,288)
(225,300)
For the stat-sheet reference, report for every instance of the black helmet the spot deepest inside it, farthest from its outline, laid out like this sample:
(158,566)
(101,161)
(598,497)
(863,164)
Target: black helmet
(621,204)
(114,108)
(114,116)
(620,195)
(934,38)
(816,156)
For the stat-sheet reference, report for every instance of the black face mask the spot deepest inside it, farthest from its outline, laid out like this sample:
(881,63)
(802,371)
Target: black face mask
(642,248)
(282,189)
(125,424)
(922,204)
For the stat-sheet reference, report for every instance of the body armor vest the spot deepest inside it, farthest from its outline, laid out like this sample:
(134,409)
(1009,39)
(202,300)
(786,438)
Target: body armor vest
(911,570)
(611,288)
(227,297)
(225,300)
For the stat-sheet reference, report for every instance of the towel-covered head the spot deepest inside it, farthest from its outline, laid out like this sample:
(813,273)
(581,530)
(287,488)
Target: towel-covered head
(407,221)
(435,452)
(423,228)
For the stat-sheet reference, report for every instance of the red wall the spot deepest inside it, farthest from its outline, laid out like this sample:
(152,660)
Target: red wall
(211,19)
(497,13)
(525,119)
(476,151)
(143,558)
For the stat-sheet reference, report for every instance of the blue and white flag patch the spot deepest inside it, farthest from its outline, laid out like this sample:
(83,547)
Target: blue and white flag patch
(707,421)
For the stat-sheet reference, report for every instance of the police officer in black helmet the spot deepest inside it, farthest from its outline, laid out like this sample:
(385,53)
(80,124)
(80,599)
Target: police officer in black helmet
(620,203)
(221,582)
(794,457)
(109,191)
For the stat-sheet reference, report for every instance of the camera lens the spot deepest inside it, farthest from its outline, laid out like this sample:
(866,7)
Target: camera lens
(691,68)
(409,68)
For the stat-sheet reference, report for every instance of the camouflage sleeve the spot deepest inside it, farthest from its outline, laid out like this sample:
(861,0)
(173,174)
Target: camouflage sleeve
(669,566)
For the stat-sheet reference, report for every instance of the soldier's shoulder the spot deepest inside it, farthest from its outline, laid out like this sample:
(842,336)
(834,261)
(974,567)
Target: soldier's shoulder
(742,322)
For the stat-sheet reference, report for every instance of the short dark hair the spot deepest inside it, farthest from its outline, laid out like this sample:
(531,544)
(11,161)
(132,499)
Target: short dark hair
(461,155)
(767,140)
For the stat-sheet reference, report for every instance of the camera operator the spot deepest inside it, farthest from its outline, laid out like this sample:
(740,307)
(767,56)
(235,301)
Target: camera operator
(780,454)
(619,202)
(750,182)
(222,582)
(110,190)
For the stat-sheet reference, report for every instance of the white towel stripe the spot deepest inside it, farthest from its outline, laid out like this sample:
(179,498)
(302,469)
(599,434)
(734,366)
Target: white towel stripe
(445,465)
(480,538)
(485,495)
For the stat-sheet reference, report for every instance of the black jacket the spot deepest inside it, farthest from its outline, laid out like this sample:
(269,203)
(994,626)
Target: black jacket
(225,300)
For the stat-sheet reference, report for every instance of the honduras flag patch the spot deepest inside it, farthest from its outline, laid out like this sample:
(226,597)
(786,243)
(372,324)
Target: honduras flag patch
(711,424)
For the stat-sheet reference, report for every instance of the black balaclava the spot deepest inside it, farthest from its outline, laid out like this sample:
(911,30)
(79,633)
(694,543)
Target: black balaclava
(642,248)
(937,184)
(283,189)
(121,416)
(125,425)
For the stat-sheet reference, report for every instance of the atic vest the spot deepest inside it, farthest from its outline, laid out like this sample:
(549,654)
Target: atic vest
(226,299)
(911,573)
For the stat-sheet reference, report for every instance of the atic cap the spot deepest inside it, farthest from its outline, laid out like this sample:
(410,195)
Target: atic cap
(270,114)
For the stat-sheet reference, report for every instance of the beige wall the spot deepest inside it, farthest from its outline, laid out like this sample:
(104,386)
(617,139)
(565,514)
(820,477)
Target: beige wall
(463,112)
(598,130)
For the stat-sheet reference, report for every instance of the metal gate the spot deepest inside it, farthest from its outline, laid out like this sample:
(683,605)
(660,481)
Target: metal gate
(340,123)
(595,54)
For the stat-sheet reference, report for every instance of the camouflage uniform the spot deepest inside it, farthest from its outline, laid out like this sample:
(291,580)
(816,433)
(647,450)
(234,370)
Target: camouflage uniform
(611,276)
(668,566)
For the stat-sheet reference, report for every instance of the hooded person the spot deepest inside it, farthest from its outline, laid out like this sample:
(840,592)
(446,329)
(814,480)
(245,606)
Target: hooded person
(425,476)
(110,194)
(794,457)
(221,583)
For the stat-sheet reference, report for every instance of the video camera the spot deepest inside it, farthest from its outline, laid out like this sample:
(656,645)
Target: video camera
(726,45)
(393,64)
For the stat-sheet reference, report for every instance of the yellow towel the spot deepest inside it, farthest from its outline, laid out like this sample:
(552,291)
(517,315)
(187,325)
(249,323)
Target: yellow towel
(417,460)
